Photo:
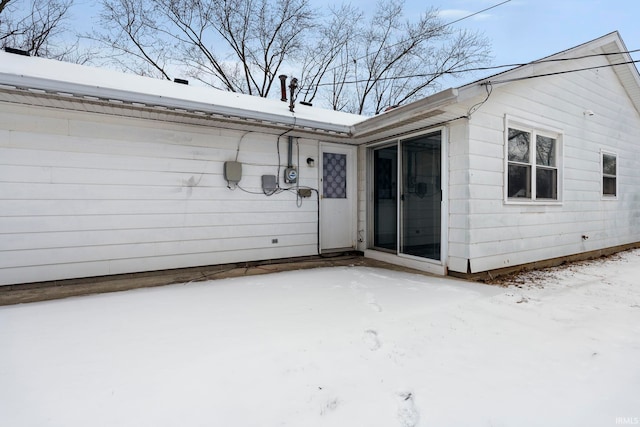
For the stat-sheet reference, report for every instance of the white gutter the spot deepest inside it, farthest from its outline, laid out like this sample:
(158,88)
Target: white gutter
(107,94)
(65,79)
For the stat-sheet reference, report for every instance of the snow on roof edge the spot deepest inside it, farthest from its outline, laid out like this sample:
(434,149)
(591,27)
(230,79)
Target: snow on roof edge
(63,77)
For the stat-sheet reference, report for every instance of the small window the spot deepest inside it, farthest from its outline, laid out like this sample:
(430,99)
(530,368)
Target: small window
(531,175)
(609,175)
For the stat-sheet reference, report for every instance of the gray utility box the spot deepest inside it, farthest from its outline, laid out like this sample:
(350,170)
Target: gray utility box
(269,184)
(233,172)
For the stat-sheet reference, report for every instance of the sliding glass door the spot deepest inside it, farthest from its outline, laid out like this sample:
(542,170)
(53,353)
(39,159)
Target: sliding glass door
(420,201)
(385,198)
(407,197)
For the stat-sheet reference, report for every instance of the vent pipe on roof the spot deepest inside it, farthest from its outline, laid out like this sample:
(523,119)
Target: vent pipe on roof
(181,81)
(283,87)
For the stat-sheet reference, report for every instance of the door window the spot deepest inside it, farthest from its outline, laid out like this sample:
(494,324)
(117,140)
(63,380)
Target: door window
(334,175)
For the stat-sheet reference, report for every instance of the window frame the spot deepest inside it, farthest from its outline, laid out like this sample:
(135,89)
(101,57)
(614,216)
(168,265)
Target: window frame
(603,175)
(534,130)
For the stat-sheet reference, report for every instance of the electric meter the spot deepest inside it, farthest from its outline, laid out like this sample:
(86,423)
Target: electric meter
(290,175)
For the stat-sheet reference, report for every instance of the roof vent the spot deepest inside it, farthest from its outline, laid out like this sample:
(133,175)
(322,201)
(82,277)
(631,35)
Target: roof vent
(16,51)
(181,81)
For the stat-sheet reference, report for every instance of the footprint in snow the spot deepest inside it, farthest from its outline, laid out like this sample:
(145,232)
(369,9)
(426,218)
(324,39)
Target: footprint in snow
(329,406)
(372,340)
(371,300)
(357,285)
(408,414)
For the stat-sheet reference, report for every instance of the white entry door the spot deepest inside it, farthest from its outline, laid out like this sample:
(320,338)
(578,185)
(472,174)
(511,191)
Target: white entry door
(338,197)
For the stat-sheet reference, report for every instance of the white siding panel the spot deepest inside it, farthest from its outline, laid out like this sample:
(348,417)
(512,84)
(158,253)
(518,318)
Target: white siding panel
(126,265)
(193,260)
(481,149)
(140,207)
(460,221)
(489,177)
(64,255)
(457,234)
(71,239)
(459,248)
(457,264)
(459,163)
(18,118)
(510,234)
(488,192)
(47,224)
(458,195)
(84,194)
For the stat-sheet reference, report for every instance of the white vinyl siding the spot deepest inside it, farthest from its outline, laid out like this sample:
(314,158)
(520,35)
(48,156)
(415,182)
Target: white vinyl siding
(83,195)
(501,233)
(458,218)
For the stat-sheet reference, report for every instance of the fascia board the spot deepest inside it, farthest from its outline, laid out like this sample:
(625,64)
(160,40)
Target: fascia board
(407,113)
(534,68)
(56,77)
(59,87)
(627,73)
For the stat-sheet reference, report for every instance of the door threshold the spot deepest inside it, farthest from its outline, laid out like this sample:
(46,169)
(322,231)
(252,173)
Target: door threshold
(335,250)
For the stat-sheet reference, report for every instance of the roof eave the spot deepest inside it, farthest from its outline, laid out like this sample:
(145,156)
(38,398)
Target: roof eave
(413,112)
(79,91)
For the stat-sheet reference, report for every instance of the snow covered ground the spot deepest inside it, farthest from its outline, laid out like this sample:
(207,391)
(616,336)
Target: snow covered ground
(343,346)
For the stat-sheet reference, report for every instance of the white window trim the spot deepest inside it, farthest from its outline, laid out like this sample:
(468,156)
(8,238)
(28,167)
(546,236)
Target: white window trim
(535,129)
(617,176)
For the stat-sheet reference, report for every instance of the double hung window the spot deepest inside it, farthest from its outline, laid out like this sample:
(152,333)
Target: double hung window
(532,164)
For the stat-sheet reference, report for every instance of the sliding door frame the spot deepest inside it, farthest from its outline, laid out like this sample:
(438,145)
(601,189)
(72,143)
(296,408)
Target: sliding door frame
(396,257)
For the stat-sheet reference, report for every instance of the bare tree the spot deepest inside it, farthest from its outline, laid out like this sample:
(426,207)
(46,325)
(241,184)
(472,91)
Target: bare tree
(36,26)
(346,62)
(237,45)
(331,48)
(3,4)
(133,38)
(390,61)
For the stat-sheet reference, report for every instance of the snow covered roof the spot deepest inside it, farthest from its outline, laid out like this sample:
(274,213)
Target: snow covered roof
(45,76)
(64,84)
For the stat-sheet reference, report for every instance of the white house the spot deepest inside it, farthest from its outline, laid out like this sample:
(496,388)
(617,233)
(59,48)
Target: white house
(536,163)
(105,173)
